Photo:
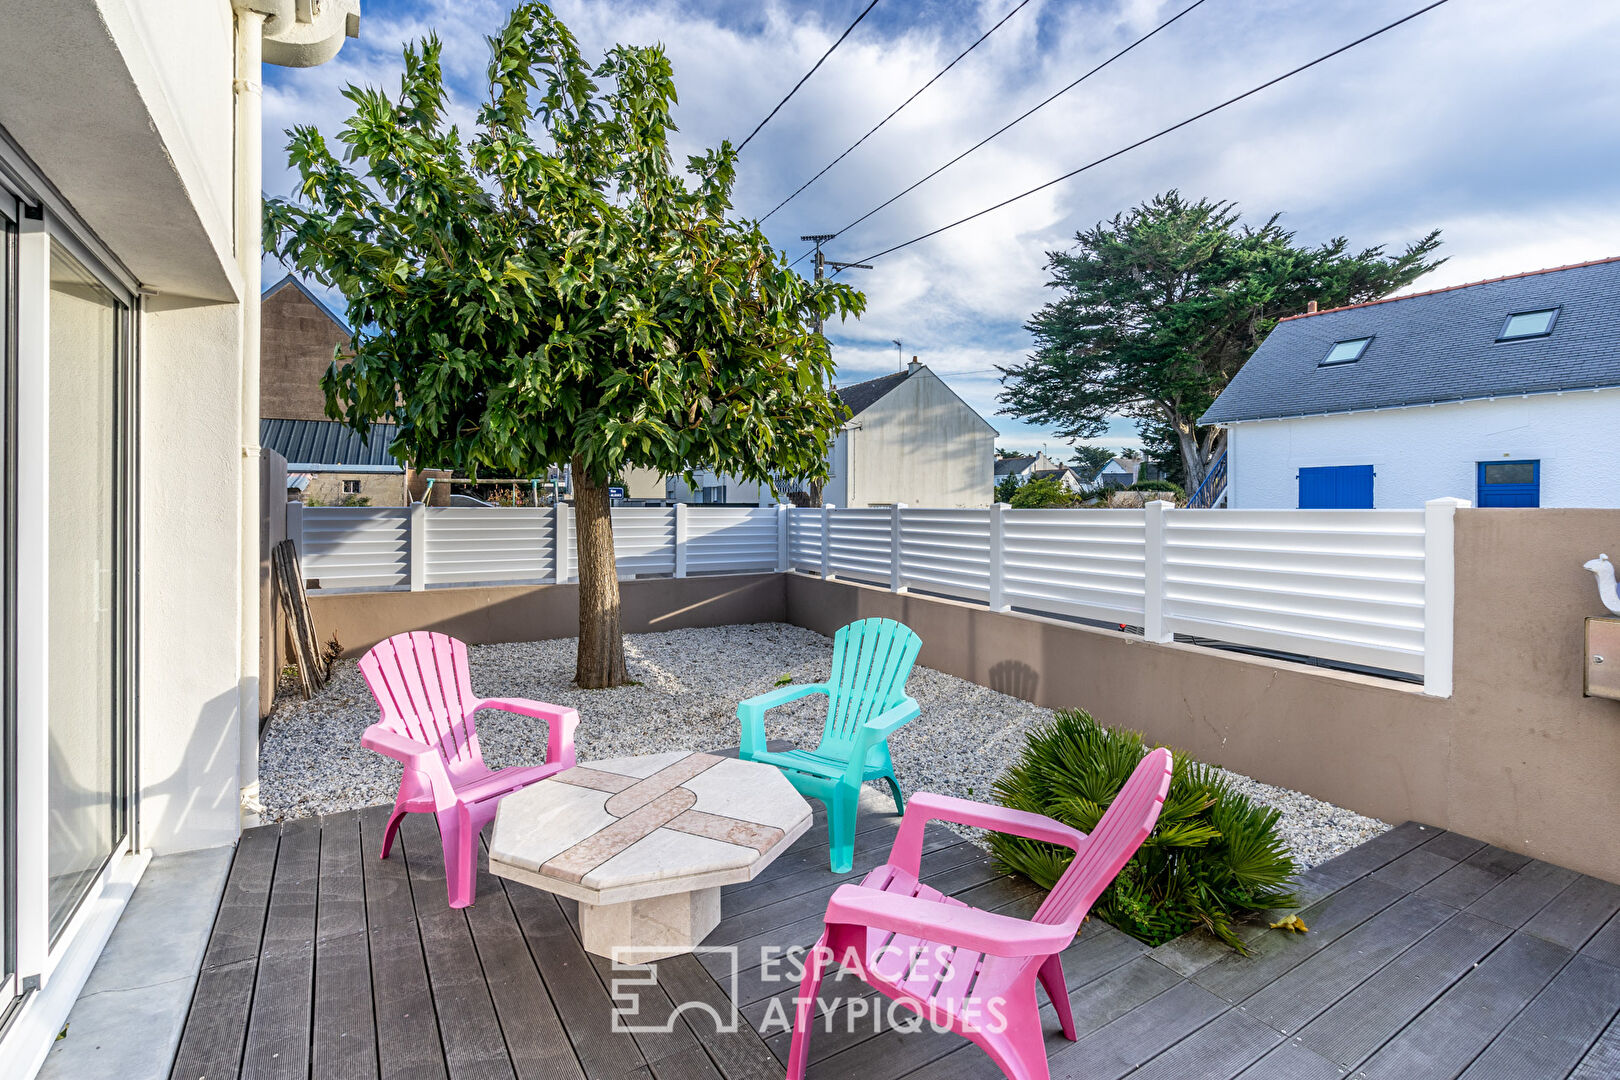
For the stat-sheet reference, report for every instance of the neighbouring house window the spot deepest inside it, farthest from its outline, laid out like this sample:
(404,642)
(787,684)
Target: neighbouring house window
(1509,483)
(85,637)
(1528,324)
(1345,352)
(713,494)
(351,487)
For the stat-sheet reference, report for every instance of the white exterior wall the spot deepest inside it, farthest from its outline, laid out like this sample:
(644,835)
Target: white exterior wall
(1430,452)
(919,444)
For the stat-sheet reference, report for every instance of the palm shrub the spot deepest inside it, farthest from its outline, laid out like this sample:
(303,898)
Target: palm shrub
(1213,857)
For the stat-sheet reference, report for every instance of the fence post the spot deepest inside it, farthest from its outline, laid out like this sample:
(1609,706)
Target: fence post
(560,538)
(416,545)
(826,540)
(680,539)
(295,527)
(1439,592)
(997,602)
(897,581)
(782,557)
(1153,622)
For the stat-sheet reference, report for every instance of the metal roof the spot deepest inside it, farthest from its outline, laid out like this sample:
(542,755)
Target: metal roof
(1437,346)
(324,445)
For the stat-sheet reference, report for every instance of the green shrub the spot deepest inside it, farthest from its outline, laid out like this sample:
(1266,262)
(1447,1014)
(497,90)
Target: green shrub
(1042,493)
(1213,857)
(1157,485)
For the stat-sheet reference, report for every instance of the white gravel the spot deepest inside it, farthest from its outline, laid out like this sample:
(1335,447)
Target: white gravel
(311,761)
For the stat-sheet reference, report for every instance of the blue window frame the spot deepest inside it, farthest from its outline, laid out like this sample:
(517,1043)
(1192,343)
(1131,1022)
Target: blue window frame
(1336,487)
(1509,483)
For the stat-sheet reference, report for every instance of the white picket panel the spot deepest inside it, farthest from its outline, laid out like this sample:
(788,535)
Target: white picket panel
(477,545)
(859,541)
(946,551)
(1344,585)
(1085,563)
(356,547)
(729,540)
(643,540)
(804,539)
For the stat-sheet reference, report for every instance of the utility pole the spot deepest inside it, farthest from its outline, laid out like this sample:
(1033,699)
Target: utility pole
(822,262)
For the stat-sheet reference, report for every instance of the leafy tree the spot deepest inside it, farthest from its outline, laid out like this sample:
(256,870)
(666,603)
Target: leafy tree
(1088,461)
(553,290)
(1042,493)
(1159,307)
(1006,488)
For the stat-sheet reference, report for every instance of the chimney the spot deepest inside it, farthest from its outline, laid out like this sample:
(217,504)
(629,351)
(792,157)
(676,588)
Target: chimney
(913,366)
(1310,308)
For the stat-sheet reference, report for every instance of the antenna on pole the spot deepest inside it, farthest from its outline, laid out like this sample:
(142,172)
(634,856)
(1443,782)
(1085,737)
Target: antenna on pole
(899,352)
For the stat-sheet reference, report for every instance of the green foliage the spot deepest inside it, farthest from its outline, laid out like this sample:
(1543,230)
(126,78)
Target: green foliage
(1041,493)
(1088,461)
(551,288)
(1006,488)
(784,679)
(1159,307)
(1157,485)
(1213,857)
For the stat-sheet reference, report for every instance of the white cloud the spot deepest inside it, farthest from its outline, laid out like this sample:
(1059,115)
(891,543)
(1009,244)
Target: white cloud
(1490,119)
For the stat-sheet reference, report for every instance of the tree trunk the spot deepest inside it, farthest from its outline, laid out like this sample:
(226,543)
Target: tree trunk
(600,660)
(1194,459)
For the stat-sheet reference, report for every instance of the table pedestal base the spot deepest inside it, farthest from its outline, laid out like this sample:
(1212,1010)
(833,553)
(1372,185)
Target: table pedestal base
(641,931)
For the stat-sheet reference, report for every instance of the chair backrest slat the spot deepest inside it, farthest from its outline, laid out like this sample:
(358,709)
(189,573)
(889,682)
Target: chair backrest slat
(1127,822)
(872,658)
(422,684)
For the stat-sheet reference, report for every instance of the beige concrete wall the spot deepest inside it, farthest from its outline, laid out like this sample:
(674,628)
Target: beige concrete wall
(1517,757)
(543,612)
(378,489)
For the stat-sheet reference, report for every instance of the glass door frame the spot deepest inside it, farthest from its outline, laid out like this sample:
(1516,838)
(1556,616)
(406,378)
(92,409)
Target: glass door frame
(9,987)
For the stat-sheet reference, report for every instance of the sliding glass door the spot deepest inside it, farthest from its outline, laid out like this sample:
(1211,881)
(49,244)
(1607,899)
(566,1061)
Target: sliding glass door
(87,778)
(8,711)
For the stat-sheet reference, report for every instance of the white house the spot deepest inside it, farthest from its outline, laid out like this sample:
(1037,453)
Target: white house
(1026,467)
(910,439)
(1120,472)
(129,266)
(1504,392)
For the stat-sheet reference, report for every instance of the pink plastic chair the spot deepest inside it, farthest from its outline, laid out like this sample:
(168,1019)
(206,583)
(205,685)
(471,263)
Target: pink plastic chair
(420,681)
(969,970)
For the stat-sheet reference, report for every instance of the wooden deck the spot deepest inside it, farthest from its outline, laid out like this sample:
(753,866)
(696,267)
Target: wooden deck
(1429,955)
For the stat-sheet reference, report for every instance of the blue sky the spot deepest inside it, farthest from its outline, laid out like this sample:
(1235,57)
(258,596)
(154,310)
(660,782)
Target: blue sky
(1490,119)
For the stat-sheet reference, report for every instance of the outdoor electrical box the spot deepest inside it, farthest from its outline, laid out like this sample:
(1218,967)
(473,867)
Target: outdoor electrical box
(1603,658)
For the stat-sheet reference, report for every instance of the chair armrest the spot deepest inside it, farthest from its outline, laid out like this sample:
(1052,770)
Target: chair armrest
(408,752)
(751,713)
(560,721)
(874,731)
(947,924)
(926,806)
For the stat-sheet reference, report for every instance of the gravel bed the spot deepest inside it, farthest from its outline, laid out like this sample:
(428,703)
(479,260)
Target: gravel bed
(688,686)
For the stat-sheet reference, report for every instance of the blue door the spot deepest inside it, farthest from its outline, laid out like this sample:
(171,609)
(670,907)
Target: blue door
(1336,487)
(1509,483)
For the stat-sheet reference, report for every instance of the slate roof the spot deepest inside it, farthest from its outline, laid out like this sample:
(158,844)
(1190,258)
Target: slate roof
(1007,466)
(1435,347)
(863,395)
(309,444)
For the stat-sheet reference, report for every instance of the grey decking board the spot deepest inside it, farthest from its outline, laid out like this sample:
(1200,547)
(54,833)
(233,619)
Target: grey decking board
(1291,1061)
(1219,1050)
(344,1040)
(1555,1030)
(1452,1031)
(1236,977)
(216,1025)
(239,925)
(739,1054)
(1292,1001)
(1602,1060)
(1605,944)
(1574,915)
(1355,1026)
(1364,858)
(688,1064)
(1472,878)
(279,1023)
(1415,869)
(1524,893)
(1120,1045)
(408,1044)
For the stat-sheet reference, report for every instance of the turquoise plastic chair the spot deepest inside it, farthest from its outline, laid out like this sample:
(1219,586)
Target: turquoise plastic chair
(866,703)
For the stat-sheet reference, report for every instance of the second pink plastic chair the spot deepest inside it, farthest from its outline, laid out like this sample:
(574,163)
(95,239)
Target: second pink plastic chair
(974,971)
(422,685)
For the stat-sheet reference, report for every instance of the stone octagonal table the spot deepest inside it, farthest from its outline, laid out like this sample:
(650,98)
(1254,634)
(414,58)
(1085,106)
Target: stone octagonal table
(645,843)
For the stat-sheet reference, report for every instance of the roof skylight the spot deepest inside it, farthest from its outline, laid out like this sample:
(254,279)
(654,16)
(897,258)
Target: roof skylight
(1345,352)
(1528,324)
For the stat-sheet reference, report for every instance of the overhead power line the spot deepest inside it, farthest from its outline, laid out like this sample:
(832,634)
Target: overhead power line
(1023,116)
(806,76)
(1160,134)
(1016,9)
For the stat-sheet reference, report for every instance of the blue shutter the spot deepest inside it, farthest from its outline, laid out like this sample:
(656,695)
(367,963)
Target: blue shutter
(1509,483)
(1336,487)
